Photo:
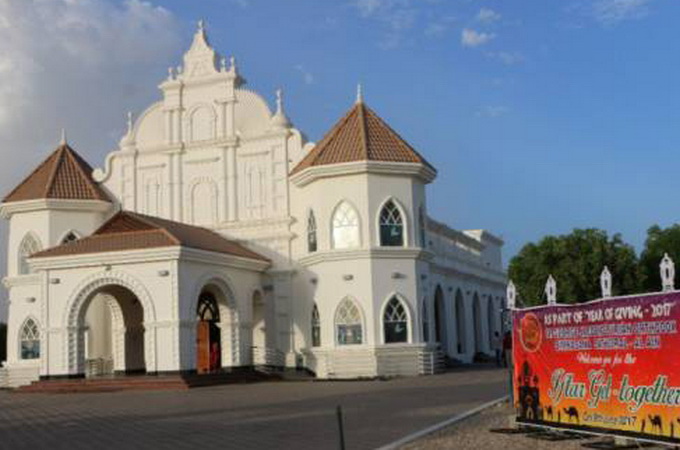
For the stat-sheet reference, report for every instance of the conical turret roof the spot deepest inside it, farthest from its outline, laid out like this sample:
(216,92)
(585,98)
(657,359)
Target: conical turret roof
(63,175)
(361,135)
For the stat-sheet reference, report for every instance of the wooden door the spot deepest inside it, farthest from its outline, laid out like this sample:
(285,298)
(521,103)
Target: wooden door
(203,347)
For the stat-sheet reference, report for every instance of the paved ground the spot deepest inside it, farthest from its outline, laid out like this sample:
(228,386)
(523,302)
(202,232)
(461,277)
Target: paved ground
(473,433)
(277,415)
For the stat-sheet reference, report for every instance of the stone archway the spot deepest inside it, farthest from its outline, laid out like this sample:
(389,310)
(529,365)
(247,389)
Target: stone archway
(461,332)
(128,339)
(224,329)
(477,323)
(440,322)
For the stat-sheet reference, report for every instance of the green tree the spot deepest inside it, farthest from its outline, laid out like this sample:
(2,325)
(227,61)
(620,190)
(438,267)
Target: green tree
(576,261)
(659,241)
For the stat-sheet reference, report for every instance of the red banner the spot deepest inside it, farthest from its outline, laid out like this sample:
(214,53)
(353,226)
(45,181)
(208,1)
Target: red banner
(608,366)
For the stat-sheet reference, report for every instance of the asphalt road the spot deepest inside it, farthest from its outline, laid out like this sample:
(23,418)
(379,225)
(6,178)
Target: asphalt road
(274,415)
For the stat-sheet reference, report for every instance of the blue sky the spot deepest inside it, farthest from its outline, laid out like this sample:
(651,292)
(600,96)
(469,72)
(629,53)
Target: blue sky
(540,116)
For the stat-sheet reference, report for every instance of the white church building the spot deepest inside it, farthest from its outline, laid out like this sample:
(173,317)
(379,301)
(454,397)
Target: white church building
(216,237)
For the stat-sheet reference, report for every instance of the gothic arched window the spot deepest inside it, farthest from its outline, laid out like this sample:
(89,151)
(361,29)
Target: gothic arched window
(30,340)
(316,327)
(311,233)
(348,328)
(391,226)
(395,322)
(207,309)
(345,227)
(29,245)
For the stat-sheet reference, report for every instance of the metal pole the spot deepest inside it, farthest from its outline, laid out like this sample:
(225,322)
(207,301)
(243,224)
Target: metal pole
(341,430)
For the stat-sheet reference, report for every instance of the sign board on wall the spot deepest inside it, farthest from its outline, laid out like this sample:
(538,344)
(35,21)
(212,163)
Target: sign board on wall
(608,366)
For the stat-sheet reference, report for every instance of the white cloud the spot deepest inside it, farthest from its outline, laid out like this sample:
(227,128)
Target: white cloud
(507,58)
(440,26)
(79,65)
(397,16)
(487,15)
(472,38)
(611,12)
(492,112)
(307,76)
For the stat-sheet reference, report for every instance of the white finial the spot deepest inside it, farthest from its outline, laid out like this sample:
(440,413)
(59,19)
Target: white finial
(129,123)
(223,64)
(360,94)
(551,290)
(606,282)
(179,70)
(232,64)
(201,25)
(171,73)
(279,101)
(511,295)
(667,267)
(63,141)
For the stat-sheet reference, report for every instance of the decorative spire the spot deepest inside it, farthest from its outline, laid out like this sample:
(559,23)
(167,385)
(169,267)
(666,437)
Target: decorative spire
(279,101)
(171,73)
(223,64)
(201,26)
(667,268)
(511,295)
(360,94)
(279,119)
(232,64)
(63,140)
(606,282)
(551,290)
(129,123)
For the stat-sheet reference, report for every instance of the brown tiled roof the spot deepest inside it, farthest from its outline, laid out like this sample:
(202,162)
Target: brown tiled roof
(131,231)
(63,175)
(361,135)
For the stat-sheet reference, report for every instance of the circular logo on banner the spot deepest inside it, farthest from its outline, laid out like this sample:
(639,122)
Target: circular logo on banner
(530,332)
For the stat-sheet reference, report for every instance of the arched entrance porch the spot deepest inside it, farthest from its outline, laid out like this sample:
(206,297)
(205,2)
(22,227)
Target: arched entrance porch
(106,328)
(217,333)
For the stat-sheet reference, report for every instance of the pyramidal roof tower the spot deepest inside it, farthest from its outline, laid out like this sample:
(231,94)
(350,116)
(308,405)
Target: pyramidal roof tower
(361,136)
(64,175)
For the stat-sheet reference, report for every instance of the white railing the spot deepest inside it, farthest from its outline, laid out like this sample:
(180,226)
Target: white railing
(98,366)
(431,361)
(267,356)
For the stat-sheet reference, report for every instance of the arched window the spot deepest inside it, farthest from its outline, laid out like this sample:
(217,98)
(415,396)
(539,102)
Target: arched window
(30,340)
(426,322)
(311,233)
(345,227)
(421,227)
(395,322)
(70,237)
(206,309)
(316,327)
(391,226)
(29,245)
(460,322)
(348,323)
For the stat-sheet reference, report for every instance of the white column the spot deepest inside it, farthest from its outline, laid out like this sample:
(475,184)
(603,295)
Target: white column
(232,195)
(223,206)
(168,126)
